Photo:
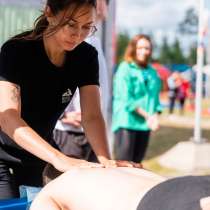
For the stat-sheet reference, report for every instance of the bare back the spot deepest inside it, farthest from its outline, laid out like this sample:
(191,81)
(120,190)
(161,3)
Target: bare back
(97,188)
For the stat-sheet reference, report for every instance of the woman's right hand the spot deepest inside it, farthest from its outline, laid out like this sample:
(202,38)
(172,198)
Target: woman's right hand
(64,163)
(153,122)
(72,118)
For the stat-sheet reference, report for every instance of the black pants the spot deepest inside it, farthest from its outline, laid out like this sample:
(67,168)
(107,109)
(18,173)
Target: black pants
(172,101)
(11,177)
(130,145)
(17,167)
(182,103)
(74,144)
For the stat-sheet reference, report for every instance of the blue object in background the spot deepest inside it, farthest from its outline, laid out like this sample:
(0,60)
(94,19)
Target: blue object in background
(179,67)
(27,194)
(14,204)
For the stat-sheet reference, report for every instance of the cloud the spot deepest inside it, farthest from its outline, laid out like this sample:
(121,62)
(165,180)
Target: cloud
(31,3)
(151,15)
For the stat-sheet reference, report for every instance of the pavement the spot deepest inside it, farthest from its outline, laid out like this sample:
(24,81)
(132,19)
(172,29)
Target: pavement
(187,156)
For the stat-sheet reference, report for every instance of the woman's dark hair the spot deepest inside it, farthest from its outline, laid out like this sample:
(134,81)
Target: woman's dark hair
(56,6)
(49,173)
(130,52)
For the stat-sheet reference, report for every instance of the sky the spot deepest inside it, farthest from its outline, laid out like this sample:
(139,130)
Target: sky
(151,14)
(161,17)
(32,3)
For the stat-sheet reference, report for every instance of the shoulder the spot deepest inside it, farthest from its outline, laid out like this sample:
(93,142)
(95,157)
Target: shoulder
(152,68)
(16,45)
(129,68)
(85,49)
(10,50)
(123,70)
(10,45)
(124,67)
(153,71)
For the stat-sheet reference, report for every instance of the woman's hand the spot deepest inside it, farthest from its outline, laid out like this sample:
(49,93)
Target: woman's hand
(205,203)
(153,123)
(124,163)
(107,163)
(72,118)
(64,163)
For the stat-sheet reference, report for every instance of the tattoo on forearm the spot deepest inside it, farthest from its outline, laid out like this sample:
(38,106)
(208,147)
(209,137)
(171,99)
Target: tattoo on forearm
(15,94)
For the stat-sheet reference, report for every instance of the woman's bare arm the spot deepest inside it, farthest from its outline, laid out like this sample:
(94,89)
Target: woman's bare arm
(16,128)
(95,128)
(92,120)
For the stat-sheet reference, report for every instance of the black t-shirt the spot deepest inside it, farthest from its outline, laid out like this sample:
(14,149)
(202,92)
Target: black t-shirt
(45,88)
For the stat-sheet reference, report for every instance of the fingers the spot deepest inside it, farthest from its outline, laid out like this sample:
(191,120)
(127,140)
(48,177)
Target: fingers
(138,165)
(119,163)
(72,118)
(90,165)
(205,203)
(110,164)
(122,163)
(131,164)
(72,122)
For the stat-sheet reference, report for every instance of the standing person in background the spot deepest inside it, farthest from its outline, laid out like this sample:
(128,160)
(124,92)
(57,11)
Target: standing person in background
(69,134)
(136,103)
(174,83)
(39,72)
(183,94)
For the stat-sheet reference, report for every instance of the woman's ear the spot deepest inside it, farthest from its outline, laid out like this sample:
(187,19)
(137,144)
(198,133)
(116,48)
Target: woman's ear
(205,203)
(102,10)
(48,14)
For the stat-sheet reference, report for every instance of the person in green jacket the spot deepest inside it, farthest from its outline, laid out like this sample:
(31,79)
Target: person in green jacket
(136,89)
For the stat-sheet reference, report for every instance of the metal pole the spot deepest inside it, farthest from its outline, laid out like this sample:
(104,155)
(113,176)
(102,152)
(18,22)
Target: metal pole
(199,83)
(109,48)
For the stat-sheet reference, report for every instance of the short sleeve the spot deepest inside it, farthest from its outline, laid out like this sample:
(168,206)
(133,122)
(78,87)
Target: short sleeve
(89,71)
(8,63)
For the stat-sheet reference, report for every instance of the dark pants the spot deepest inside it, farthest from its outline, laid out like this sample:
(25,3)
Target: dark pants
(182,103)
(74,144)
(11,177)
(130,145)
(17,167)
(172,101)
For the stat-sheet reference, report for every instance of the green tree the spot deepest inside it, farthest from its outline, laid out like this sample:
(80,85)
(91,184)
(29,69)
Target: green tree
(155,50)
(192,56)
(189,25)
(165,52)
(122,42)
(176,53)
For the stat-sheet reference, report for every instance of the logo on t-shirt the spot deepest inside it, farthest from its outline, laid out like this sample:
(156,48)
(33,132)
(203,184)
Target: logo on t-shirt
(66,97)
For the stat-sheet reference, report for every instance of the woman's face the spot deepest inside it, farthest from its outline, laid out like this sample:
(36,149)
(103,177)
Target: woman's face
(143,51)
(77,29)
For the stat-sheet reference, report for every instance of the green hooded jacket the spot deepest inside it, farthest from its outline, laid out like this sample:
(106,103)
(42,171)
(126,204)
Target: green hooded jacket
(130,91)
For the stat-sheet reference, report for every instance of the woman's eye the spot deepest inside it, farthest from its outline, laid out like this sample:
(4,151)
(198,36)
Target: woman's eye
(71,25)
(87,27)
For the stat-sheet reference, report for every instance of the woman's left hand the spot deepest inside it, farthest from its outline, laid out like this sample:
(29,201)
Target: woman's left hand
(123,163)
(153,122)
(119,163)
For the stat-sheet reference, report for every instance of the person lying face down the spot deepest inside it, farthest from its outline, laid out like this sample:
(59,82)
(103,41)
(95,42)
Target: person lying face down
(122,189)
